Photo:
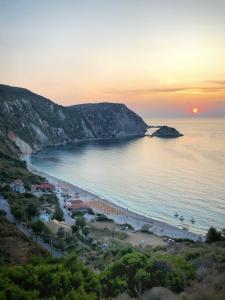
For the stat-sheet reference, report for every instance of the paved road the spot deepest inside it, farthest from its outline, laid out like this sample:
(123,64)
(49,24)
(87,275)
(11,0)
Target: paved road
(5,206)
(70,221)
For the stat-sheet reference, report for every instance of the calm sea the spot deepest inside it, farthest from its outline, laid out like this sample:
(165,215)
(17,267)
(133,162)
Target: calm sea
(152,176)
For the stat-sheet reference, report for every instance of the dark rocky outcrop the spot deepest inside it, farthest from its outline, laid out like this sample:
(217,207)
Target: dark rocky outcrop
(167,132)
(33,122)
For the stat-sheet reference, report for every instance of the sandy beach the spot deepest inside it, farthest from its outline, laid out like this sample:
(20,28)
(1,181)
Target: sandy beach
(119,214)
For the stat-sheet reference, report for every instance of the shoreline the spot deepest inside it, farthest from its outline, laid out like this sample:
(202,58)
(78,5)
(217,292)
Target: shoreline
(119,214)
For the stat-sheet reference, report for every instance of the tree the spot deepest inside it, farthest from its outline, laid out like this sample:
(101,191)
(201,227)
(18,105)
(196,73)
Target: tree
(28,195)
(102,218)
(19,213)
(58,215)
(75,228)
(85,230)
(38,227)
(61,233)
(90,211)
(79,295)
(2,213)
(222,234)
(121,274)
(213,235)
(78,213)
(80,222)
(31,210)
(2,216)
(49,278)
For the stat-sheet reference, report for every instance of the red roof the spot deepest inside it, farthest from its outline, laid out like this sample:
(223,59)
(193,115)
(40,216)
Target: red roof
(44,186)
(77,204)
(76,201)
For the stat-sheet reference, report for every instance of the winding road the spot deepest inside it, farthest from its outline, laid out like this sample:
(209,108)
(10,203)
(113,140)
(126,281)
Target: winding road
(5,206)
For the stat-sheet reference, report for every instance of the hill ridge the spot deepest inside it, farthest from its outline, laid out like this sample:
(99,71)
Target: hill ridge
(30,119)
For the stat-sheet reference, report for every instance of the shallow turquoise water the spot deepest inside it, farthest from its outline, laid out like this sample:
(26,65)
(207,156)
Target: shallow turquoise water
(152,176)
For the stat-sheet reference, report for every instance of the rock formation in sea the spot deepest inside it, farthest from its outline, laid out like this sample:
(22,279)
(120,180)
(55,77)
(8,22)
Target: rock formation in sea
(167,132)
(33,122)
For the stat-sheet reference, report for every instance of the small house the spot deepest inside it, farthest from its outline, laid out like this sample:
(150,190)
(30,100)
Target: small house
(18,186)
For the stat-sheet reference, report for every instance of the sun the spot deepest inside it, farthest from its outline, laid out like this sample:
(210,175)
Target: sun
(195,110)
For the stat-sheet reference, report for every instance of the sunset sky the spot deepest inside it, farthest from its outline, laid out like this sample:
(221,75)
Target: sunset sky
(160,57)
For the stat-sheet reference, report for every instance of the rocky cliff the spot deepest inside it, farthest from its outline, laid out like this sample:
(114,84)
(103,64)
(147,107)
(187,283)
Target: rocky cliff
(32,121)
(167,132)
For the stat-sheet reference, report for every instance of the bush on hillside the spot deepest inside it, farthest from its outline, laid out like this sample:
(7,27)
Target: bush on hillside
(213,235)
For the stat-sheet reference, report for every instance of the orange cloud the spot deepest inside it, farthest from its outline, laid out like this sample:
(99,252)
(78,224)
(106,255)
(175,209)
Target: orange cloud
(184,89)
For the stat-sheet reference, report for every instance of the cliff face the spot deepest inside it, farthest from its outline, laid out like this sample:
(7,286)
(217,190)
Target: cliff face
(33,122)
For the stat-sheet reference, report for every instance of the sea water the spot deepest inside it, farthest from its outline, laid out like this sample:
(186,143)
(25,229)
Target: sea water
(152,176)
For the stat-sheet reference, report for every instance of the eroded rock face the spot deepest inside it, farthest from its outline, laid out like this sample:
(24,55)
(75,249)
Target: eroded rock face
(40,122)
(24,147)
(167,132)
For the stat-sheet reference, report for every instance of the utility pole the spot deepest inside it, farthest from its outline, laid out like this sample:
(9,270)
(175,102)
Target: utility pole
(100,292)
(51,242)
(36,243)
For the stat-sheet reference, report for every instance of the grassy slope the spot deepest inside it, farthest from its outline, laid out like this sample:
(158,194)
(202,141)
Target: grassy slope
(15,248)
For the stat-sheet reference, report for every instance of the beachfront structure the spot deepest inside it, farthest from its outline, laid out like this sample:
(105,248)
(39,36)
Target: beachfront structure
(38,189)
(54,226)
(77,205)
(18,186)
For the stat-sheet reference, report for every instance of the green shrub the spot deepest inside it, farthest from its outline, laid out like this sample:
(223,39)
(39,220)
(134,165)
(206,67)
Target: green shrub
(58,214)
(213,235)
(102,218)
(78,213)
(39,227)
(135,272)
(90,211)
(49,279)
(80,222)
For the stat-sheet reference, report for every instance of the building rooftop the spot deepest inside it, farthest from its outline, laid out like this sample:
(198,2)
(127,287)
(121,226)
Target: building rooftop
(77,204)
(43,186)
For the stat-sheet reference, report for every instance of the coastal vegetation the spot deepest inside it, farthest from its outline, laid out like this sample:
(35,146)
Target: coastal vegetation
(90,272)
(214,235)
(91,267)
(11,167)
(25,206)
(49,279)
(184,270)
(102,218)
(39,227)
(58,214)
(16,248)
